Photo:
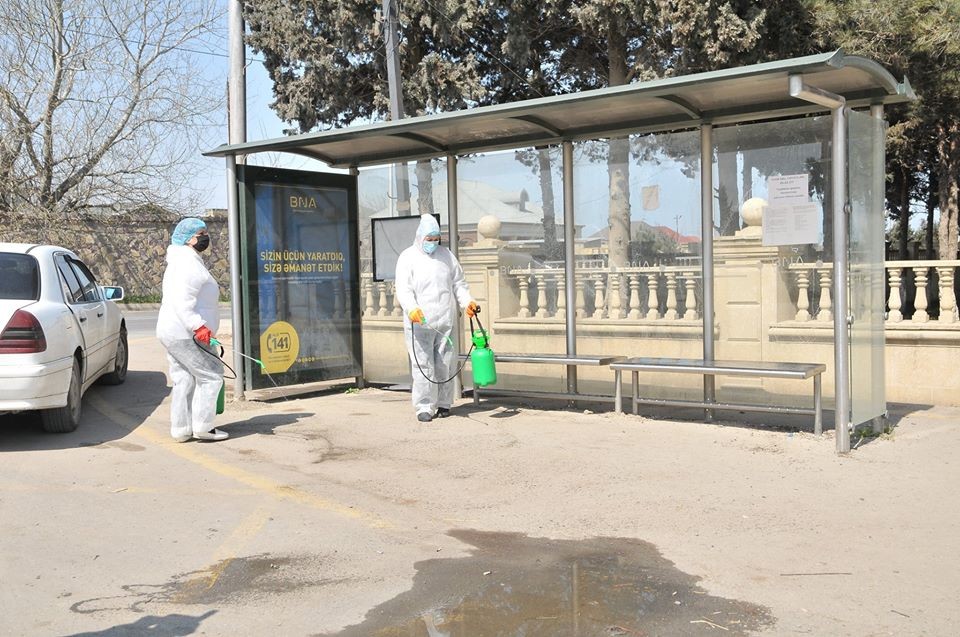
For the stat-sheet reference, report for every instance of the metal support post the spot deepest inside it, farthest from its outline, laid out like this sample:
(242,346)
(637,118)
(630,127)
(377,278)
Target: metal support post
(879,166)
(569,263)
(706,258)
(237,134)
(840,209)
(453,236)
(360,382)
(841,315)
(236,285)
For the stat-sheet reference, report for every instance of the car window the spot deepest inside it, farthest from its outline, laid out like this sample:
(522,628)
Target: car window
(19,277)
(88,282)
(74,289)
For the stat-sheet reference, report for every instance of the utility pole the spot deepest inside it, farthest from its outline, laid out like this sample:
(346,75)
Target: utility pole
(237,134)
(391,34)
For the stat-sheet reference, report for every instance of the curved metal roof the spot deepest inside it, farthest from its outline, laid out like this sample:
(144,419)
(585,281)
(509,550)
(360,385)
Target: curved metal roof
(727,96)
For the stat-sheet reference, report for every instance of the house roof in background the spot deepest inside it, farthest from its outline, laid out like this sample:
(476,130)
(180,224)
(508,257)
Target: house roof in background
(727,96)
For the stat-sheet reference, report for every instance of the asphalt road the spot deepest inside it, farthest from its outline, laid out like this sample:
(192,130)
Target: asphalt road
(340,514)
(141,323)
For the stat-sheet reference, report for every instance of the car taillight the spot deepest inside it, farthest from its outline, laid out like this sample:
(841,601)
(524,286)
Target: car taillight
(22,335)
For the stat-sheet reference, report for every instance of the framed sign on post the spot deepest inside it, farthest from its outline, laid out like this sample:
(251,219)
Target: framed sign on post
(301,275)
(391,236)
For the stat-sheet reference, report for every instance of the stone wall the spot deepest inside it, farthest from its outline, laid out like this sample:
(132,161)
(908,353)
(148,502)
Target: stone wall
(121,249)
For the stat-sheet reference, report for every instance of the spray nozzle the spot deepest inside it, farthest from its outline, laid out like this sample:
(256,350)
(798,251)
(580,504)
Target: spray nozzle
(259,362)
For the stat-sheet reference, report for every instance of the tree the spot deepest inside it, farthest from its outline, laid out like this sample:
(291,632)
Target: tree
(623,41)
(919,39)
(327,64)
(100,105)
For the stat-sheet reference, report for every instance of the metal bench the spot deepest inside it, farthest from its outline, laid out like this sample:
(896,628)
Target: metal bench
(720,368)
(549,359)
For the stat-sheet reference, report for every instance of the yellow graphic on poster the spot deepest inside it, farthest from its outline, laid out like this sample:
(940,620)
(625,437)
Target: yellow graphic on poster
(279,347)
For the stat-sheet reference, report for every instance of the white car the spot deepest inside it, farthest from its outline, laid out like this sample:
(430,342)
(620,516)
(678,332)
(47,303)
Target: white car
(59,333)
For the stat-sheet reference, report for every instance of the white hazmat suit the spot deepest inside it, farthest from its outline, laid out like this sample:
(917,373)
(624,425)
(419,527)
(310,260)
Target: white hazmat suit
(435,284)
(190,298)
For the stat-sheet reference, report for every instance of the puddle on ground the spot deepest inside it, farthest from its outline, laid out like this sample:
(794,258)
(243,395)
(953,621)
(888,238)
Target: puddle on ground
(513,585)
(230,579)
(227,582)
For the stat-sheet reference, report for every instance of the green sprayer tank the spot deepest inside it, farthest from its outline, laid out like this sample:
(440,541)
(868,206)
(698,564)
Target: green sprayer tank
(221,397)
(481,360)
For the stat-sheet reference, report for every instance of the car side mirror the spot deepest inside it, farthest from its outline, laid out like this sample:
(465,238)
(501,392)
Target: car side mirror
(112,292)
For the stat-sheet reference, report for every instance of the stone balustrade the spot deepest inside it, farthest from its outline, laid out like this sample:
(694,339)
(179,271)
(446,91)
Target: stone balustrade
(655,293)
(928,280)
(378,298)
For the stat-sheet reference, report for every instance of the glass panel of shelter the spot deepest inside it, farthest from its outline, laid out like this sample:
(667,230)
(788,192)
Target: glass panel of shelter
(643,295)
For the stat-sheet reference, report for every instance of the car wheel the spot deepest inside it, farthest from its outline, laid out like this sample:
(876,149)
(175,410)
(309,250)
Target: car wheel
(119,373)
(65,419)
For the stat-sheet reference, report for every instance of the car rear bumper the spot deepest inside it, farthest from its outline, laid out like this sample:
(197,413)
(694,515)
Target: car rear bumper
(41,386)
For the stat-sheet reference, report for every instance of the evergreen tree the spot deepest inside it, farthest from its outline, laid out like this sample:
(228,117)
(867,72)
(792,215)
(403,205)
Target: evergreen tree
(919,39)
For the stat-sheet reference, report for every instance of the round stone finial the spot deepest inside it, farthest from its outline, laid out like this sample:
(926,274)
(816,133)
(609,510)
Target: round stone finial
(752,211)
(488,227)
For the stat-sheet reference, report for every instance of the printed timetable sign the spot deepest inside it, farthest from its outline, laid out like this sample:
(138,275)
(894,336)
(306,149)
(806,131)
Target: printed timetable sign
(301,275)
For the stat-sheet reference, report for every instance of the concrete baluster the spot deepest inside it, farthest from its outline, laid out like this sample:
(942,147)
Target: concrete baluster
(895,302)
(541,296)
(653,300)
(826,300)
(921,302)
(368,308)
(599,305)
(613,295)
(690,300)
(580,299)
(803,295)
(635,302)
(671,313)
(561,298)
(524,282)
(948,299)
(384,309)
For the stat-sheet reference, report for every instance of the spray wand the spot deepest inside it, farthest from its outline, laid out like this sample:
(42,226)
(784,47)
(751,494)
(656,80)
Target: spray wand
(259,362)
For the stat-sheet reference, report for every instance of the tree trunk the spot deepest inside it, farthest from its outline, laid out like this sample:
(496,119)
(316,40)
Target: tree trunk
(424,171)
(931,207)
(550,246)
(618,160)
(904,195)
(949,191)
(729,197)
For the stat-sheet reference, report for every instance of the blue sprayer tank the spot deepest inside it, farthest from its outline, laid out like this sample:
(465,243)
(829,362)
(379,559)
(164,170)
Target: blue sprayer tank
(482,360)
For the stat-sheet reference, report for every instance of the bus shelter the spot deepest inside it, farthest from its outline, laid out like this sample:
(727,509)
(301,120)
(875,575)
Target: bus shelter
(772,176)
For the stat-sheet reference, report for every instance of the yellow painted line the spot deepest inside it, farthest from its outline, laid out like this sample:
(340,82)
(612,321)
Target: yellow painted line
(142,339)
(267,485)
(33,488)
(227,552)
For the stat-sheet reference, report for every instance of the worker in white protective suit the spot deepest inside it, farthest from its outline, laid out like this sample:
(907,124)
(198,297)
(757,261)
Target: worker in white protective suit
(430,285)
(189,318)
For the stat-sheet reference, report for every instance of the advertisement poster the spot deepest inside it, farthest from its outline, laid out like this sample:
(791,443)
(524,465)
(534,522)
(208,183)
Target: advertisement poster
(302,276)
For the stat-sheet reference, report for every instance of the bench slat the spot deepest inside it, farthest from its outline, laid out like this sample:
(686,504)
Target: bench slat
(555,359)
(769,369)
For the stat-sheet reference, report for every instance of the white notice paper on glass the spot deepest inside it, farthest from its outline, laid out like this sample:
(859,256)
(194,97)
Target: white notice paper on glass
(791,224)
(788,189)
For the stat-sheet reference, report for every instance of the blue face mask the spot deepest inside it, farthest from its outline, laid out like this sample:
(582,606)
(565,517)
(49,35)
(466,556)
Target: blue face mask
(429,247)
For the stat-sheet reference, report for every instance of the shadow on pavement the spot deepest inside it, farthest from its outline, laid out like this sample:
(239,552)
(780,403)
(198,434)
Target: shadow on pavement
(167,626)
(265,424)
(137,398)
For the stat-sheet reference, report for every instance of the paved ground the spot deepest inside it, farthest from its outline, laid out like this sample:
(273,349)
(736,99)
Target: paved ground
(339,514)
